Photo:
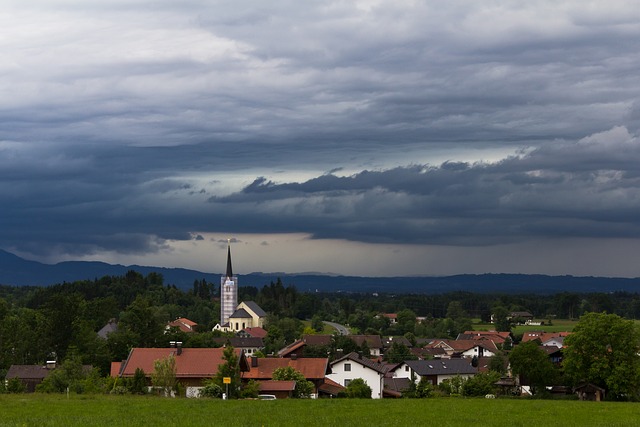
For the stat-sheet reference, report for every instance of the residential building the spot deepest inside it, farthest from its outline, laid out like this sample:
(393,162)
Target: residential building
(436,371)
(193,365)
(353,366)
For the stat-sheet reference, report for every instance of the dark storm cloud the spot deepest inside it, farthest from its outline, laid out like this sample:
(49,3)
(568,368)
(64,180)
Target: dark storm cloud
(588,188)
(122,126)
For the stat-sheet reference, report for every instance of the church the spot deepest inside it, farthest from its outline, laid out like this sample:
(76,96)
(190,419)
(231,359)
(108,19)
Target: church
(236,317)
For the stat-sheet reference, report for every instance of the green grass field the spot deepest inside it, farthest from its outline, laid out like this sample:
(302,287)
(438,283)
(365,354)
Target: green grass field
(55,410)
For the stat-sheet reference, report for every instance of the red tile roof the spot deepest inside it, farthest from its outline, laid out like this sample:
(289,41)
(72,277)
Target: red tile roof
(184,324)
(312,368)
(191,363)
(256,332)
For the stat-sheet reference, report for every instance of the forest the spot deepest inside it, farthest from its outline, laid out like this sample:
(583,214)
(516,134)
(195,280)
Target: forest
(55,322)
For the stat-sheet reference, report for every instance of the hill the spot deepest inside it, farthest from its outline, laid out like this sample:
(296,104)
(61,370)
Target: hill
(17,271)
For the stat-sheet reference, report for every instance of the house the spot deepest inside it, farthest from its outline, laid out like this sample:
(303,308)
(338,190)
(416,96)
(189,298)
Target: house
(387,342)
(436,371)
(589,391)
(252,332)
(313,369)
(353,366)
(393,317)
(249,345)
(248,314)
(111,326)
(183,324)
(394,387)
(555,354)
(501,339)
(521,315)
(280,389)
(193,365)
(466,348)
(555,339)
(374,344)
(30,375)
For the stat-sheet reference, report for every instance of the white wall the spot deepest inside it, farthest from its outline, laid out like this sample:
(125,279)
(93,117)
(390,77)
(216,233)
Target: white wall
(371,377)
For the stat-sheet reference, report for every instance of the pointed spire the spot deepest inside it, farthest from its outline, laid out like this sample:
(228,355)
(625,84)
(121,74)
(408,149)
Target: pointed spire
(229,269)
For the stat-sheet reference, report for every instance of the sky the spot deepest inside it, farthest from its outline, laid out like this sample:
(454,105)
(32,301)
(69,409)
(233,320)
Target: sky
(373,138)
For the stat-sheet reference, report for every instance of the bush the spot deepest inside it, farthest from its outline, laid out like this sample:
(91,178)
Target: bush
(211,390)
(359,389)
(14,385)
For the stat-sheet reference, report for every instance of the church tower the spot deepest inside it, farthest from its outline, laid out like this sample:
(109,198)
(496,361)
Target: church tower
(228,291)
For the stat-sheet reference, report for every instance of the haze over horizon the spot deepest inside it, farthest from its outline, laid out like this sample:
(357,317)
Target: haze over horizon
(368,138)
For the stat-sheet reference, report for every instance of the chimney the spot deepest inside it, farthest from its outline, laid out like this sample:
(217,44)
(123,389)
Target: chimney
(172,344)
(51,364)
(254,362)
(179,346)
(294,356)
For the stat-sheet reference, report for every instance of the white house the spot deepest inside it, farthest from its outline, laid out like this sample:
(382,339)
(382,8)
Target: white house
(436,370)
(353,366)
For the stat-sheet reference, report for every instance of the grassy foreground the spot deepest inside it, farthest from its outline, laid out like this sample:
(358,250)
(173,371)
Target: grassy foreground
(48,410)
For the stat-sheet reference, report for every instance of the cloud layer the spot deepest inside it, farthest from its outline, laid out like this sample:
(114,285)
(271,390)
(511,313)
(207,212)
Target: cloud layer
(129,125)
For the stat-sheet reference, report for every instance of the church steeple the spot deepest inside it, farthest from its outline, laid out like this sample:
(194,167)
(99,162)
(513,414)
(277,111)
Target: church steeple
(229,269)
(228,291)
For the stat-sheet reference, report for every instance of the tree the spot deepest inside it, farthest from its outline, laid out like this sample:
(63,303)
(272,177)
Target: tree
(603,350)
(358,389)
(498,363)
(164,375)
(138,384)
(481,384)
(303,388)
(532,363)
(229,369)
(501,319)
(398,353)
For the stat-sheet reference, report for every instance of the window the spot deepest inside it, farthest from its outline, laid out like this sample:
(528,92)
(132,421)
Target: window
(347,367)
(346,382)
(406,368)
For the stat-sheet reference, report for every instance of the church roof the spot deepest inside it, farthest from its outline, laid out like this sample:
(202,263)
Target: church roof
(229,269)
(255,308)
(240,313)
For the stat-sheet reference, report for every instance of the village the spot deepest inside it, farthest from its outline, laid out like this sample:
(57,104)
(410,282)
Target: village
(315,365)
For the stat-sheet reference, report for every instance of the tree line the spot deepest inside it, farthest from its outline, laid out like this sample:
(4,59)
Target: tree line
(43,323)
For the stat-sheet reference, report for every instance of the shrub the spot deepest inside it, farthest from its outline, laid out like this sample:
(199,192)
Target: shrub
(358,388)
(212,390)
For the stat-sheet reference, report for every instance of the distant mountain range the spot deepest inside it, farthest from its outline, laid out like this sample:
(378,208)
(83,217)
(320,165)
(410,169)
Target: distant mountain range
(17,271)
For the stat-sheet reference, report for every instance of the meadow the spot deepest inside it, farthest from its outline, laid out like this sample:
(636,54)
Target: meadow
(92,410)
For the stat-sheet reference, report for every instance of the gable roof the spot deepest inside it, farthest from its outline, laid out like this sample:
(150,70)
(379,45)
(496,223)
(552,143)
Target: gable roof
(291,348)
(358,358)
(255,332)
(240,342)
(458,346)
(184,324)
(191,363)
(495,336)
(111,326)
(31,372)
(317,339)
(253,306)
(388,341)
(442,367)
(373,341)
(330,387)
(313,368)
(240,313)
